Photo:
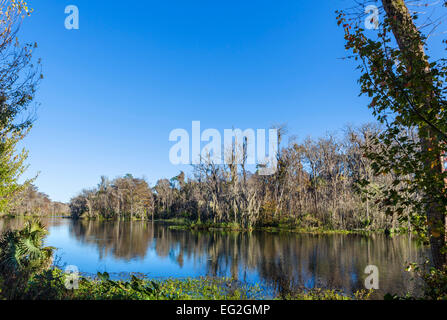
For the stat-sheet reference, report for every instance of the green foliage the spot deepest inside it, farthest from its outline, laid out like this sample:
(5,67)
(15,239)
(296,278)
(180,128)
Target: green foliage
(321,294)
(283,225)
(19,79)
(407,92)
(103,288)
(11,168)
(50,285)
(46,285)
(22,256)
(435,280)
(199,225)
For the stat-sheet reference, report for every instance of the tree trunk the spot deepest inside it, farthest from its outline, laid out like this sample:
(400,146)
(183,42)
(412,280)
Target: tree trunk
(410,44)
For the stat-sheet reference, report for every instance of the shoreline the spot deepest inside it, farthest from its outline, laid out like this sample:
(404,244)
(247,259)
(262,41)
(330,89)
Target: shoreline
(185,224)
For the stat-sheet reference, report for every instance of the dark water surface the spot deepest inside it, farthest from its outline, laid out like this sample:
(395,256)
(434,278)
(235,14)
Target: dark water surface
(272,260)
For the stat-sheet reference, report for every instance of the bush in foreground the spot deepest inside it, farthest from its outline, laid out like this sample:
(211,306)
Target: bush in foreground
(51,285)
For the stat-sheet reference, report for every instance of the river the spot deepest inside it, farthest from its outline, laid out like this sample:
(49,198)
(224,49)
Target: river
(275,261)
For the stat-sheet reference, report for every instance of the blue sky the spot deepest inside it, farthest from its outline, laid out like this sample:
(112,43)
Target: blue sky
(114,89)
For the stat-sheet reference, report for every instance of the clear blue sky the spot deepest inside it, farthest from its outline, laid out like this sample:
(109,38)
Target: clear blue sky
(134,71)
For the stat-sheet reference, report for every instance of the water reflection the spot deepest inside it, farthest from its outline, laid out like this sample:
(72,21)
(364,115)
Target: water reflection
(280,261)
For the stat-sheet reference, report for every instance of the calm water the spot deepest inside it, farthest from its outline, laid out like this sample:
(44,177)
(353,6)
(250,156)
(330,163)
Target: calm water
(271,260)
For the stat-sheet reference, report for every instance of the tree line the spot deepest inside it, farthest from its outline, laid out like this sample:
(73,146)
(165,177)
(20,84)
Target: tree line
(31,202)
(123,197)
(317,184)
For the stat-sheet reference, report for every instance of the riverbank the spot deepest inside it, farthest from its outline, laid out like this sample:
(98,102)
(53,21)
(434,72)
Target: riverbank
(54,284)
(184,224)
